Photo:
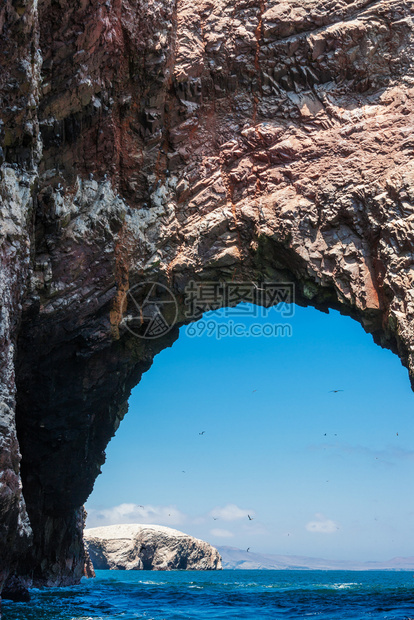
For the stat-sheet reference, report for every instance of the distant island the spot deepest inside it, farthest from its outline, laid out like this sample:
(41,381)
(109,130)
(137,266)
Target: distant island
(156,547)
(148,547)
(234,558)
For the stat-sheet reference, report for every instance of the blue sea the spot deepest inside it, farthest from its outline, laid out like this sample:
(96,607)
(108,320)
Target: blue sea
(225,595)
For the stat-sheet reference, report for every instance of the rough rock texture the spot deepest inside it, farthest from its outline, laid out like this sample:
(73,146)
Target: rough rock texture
(19,79)
(169,141)
(148,547)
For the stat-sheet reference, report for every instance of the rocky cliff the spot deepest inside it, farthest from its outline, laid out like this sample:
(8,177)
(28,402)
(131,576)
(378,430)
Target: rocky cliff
(148,547)
(175,141)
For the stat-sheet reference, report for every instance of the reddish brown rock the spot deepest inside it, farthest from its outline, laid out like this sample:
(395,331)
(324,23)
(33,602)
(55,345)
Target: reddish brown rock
(173,142)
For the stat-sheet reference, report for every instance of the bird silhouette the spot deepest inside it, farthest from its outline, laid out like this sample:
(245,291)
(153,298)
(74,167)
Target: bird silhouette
(248,548)
(257,287)
(250,518)
(336,391)
(202,433)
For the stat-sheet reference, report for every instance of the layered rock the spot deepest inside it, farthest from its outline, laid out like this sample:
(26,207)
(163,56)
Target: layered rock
(19,96)
(148,547)
(163,141)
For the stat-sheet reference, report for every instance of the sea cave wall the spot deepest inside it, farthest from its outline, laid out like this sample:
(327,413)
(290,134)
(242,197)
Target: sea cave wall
(175,141)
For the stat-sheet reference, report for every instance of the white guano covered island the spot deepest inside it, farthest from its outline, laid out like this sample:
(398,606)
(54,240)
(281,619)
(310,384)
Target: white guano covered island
(148,547)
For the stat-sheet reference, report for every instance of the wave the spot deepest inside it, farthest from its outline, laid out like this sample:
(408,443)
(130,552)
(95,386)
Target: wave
(339,586)
(224,595)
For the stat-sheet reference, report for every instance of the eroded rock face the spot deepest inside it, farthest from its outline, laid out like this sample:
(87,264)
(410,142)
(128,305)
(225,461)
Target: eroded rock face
(148,547)
(172,142)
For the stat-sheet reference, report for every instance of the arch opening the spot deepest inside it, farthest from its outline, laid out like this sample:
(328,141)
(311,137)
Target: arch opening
(227,425)
(93,386)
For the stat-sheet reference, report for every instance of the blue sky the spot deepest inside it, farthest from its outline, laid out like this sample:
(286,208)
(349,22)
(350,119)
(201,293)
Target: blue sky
(322,474)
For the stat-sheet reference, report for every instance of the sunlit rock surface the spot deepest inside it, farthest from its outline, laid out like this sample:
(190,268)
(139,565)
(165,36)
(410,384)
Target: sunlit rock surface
(177,141)
(148,547)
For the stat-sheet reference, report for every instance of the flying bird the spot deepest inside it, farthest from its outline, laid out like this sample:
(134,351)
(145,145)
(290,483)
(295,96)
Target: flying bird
(257,288)
(215,518)
(336,391)
(202,433)
(250,518)
(248,548)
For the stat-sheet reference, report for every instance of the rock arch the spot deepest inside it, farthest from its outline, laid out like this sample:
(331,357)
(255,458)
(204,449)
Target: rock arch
(178,141)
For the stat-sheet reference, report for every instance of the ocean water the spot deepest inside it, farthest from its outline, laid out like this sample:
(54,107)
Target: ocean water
(225,595)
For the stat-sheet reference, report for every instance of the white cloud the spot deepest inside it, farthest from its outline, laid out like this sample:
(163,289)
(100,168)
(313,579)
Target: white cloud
(218,533)
(322,525)
(167,515)
(230,512)
(134,513)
